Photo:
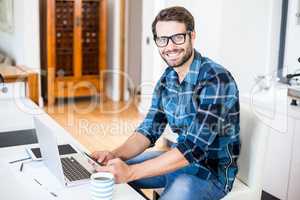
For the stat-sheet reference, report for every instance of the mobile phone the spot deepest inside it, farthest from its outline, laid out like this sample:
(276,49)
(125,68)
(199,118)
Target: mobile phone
(95,160)
(63,149)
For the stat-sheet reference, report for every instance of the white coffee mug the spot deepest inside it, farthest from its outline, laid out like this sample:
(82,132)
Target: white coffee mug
(102,186)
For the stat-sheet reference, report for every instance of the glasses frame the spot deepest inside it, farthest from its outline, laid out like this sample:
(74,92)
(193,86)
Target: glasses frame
(172,38)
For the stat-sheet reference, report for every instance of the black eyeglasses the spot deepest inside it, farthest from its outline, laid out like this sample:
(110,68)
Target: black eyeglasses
(177,39)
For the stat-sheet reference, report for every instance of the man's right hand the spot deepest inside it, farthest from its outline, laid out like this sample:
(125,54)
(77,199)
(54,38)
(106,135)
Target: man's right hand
(103,156)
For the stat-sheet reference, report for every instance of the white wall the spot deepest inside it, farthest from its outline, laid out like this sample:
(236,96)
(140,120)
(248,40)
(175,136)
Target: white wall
(250,39)
(23,44)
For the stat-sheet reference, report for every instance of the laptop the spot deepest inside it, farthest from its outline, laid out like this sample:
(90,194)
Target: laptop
(70,169)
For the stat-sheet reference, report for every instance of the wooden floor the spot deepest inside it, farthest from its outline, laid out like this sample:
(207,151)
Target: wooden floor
(97,126)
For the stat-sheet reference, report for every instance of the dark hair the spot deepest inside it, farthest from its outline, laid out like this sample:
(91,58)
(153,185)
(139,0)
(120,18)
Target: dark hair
(175,13)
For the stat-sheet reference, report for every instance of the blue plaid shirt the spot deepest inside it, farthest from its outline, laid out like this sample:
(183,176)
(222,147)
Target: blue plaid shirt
(204,111)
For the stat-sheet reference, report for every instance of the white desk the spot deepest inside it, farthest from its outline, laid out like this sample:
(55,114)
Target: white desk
(17,115)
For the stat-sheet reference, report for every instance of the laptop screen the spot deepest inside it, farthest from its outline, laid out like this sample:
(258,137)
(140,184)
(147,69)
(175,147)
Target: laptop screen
(45,130)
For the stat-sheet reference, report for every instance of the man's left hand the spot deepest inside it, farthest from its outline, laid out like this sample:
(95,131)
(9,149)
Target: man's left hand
(122,172)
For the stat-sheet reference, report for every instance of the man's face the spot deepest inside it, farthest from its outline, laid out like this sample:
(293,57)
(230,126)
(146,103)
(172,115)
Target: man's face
(173,54)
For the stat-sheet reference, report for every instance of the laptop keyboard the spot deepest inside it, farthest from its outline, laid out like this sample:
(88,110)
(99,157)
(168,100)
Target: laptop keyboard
(73,170)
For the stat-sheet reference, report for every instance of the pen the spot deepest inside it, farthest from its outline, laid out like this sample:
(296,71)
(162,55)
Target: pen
(37,182)
(52,193)
(21,167)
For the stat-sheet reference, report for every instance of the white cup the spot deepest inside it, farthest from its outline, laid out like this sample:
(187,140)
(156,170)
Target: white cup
(102,186)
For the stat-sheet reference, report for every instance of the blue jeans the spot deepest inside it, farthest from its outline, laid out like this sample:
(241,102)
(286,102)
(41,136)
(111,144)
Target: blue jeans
(181,184)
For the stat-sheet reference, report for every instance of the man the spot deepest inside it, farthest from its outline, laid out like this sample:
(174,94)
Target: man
(199,100)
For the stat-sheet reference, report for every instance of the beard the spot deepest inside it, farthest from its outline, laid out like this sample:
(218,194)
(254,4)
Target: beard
(183,60)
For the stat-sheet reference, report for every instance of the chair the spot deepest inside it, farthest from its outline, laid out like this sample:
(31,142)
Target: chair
(254,136)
